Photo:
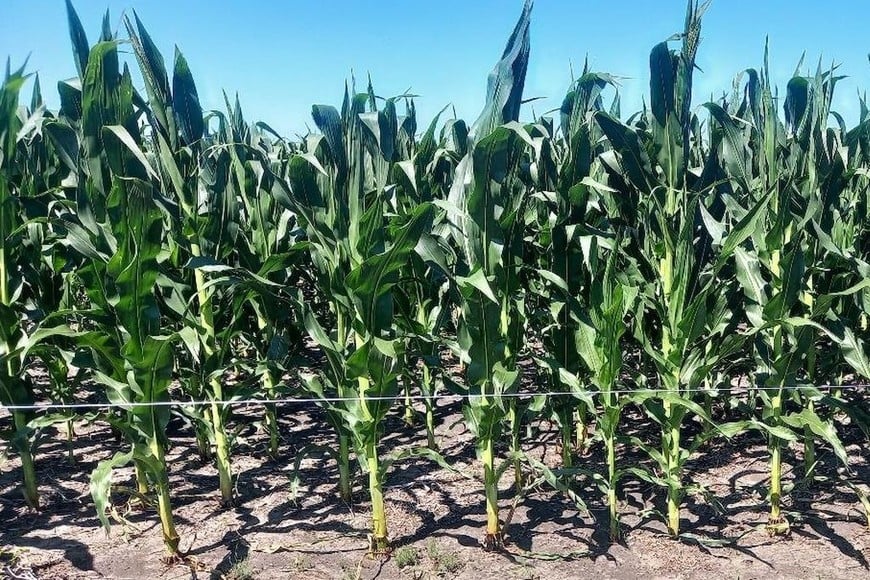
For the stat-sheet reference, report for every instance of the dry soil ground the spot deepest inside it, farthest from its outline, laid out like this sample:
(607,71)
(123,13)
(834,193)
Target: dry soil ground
(435,516)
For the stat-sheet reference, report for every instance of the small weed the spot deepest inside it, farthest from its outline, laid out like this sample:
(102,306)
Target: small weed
(432,550)
(443,560)
(12,565)
(349,572)
(528,573)
(301,563)
(450,562)
(8,556)
(241,570)
(406,556)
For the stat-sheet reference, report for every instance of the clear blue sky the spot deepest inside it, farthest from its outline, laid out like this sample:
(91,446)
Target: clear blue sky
(283,56)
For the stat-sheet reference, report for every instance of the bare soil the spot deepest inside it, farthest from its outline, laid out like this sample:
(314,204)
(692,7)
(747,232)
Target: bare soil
(279,529)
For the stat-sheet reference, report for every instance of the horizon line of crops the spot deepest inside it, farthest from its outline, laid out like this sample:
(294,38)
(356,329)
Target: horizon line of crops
(151,249)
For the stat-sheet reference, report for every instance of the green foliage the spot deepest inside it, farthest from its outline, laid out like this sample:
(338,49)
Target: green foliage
(703,265)
(406,556)
(443,561)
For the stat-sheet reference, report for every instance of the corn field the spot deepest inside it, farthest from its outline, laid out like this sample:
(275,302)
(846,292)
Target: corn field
(704,267)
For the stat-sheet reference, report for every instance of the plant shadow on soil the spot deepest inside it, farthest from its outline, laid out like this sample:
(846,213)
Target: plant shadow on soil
(282,535)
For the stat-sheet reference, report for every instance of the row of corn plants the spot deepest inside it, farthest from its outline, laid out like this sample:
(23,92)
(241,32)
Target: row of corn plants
(703,266)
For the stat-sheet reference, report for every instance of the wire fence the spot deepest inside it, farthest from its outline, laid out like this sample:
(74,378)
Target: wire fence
(313,401)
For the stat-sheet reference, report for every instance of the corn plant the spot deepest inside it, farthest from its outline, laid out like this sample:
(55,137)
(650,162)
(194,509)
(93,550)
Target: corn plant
(425,322)
(117,233)
(425,301)
(686,323)
(567,248)
(486,215)
(426,296)
(272,258)
(780,270)
(491,324)
(14,390)
(176,118)
(337,189)
(599,342)
(31,286)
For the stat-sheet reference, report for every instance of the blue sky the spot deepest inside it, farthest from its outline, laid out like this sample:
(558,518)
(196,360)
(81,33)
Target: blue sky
(283,56)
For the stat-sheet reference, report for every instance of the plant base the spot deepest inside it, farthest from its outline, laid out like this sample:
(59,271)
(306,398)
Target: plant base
(493,542)
(778,527)
(379,546)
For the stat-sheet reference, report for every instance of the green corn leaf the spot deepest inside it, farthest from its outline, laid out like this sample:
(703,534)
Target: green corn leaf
(80,45)
(101,483)
(504,91)
(185,101)
(822,429)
